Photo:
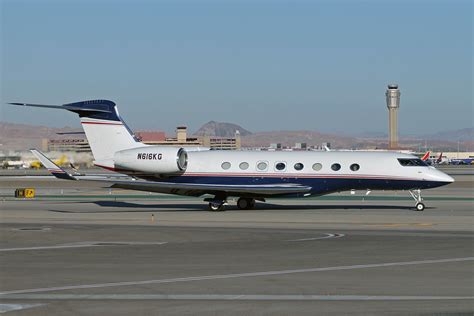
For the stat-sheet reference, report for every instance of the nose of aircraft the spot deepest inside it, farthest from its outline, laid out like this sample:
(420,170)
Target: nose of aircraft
(440,176)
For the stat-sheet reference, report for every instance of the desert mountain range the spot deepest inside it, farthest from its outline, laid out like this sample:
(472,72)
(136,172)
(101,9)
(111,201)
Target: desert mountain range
(22,137)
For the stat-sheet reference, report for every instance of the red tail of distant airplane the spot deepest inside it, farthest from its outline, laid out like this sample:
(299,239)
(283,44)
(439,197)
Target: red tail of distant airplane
(426,156)
(440,158)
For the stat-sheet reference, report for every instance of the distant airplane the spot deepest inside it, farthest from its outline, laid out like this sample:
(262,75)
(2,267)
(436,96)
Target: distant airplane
(426,156)
(62,161)
(433,159)
(248,175)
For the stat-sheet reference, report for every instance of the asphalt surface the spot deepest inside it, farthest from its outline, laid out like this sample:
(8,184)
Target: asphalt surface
(104,255)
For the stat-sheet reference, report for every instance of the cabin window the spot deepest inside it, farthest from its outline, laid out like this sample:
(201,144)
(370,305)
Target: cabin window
(355,167)
(298,166)
(336,167)
(281,166)
(226,165)
(244,165)
(317,166)
(262,166)
(412,162)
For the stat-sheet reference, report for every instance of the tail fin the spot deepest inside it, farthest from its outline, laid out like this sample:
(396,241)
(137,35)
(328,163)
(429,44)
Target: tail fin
(426,156)
(105,130)
(440,158)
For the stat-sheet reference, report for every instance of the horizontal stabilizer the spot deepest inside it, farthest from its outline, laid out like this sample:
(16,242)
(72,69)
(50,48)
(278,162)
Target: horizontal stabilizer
(74,107)
(54,169)
(105,130)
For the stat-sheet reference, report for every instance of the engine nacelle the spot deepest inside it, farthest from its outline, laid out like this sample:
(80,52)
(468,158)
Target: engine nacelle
(152,159)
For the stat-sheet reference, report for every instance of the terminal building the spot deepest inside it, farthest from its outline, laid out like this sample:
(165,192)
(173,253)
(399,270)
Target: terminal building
(159,138)
(81,145)
(222,143)
(78,145)
(182,139)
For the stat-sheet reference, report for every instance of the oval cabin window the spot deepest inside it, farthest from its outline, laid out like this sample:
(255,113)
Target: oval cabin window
(226,165)
(336,167)
(244,165)
(262,166)
(317,166)
(355,167)
(280,166)
(298,166)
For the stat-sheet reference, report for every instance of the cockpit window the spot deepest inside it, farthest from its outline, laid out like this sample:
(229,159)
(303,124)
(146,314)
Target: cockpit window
(412,162)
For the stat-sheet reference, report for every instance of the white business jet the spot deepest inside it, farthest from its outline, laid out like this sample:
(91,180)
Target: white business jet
(247,175)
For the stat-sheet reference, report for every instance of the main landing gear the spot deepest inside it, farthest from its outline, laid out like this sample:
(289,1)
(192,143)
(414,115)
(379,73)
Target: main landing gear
(416,195)
(217,204)
(245,203)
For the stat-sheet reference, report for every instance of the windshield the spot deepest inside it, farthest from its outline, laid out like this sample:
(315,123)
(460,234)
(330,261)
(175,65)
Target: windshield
(412,162)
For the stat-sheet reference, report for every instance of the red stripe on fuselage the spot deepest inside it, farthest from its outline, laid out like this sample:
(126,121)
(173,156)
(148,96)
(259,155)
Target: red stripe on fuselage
(105,167)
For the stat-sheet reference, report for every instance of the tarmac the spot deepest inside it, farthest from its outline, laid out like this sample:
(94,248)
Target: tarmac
(90,251)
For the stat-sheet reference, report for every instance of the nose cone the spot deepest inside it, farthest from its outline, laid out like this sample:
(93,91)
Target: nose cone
(440,176)
(448,179)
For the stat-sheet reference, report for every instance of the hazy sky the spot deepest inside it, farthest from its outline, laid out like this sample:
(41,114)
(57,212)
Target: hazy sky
(267,65)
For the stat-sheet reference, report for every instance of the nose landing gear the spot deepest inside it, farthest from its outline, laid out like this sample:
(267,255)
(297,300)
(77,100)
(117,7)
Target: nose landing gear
(416,195)
(217,204)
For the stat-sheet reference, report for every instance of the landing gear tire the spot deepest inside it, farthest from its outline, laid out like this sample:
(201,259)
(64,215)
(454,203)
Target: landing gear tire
(216,207)
(416,195)
(245,203)
(420,207)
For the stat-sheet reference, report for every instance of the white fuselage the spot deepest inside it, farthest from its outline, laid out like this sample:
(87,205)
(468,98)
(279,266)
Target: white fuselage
(324,172)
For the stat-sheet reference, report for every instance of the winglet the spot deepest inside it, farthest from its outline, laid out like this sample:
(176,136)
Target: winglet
(54,169)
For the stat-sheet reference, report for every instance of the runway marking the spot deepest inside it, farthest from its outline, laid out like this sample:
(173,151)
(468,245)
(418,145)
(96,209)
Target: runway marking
(16,307)
(33,229)
(84,245)
(236,275)
(328,236)
(230,297)
(403,224)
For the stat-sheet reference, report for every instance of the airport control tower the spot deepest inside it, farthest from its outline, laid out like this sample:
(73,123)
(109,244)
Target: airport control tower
(393,103)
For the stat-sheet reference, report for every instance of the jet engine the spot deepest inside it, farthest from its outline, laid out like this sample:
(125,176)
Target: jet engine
(152,159)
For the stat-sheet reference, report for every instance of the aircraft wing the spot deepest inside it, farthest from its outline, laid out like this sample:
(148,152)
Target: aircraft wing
(198,189)
(190,189)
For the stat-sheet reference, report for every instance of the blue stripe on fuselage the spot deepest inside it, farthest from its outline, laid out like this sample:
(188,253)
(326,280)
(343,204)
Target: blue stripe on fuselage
(318,185)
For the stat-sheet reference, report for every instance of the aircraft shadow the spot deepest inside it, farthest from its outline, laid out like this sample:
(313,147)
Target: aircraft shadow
(128,207)
(122,206)
(341,207)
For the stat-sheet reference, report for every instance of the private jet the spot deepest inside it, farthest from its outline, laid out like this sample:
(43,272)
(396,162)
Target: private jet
(248,176)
